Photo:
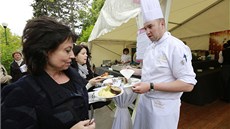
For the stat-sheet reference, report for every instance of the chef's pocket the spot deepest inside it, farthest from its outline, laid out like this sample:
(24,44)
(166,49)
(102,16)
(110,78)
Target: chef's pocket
(165,107)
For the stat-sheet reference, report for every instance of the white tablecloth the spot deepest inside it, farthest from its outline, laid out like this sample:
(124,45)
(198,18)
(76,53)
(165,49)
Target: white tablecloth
(122,118)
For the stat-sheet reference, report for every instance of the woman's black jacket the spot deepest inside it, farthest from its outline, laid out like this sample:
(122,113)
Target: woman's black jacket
(38,102)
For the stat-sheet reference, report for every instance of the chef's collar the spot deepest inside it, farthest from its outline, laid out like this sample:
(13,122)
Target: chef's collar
(165,36)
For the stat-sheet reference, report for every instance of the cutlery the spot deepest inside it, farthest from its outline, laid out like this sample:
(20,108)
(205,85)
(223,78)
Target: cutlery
(91,115)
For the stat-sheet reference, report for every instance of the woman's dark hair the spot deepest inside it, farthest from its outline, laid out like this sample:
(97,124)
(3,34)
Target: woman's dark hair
(125,49)
(41,35)
(226,45)
(76,51)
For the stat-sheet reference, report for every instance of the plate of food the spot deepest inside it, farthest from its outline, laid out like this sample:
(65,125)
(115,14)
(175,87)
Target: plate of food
(121,81)
(109,92)
(131,82)
(106,75)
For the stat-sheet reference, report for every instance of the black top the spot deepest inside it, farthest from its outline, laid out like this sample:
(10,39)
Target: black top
(15,71)
(38,102)
(69,85)
(226,56)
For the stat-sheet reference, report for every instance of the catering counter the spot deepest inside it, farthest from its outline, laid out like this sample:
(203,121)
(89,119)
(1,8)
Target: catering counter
(205,91)
(207,88)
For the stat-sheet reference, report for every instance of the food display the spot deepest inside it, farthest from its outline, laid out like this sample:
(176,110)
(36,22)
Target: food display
(105,74)
(115,90)
(124,80)
(131,82)
(121,82)
(109,92)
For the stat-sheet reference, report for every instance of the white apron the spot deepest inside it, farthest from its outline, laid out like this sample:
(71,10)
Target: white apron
(155,115)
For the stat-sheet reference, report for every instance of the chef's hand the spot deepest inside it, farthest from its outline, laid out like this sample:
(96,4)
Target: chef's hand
(141,87)
(95,80)
(84,125)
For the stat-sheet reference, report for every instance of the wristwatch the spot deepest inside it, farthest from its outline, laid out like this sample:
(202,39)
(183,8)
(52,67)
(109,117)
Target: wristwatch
(151,87)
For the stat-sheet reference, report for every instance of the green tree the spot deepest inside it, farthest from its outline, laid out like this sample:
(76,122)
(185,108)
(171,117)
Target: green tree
(14,44)
(85,34)
(80,14)
(66,10)
(89,19)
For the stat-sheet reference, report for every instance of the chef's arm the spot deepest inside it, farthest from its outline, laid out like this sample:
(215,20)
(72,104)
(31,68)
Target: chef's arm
(175,86)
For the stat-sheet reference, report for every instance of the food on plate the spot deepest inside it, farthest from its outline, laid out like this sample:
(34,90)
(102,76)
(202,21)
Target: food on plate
(124,80)
(116,90)
(109,91)
(105,74)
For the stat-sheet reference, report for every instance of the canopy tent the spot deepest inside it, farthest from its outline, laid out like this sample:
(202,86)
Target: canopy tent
(193,21)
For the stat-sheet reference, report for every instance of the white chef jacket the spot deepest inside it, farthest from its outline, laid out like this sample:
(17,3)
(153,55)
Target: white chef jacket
(166,60)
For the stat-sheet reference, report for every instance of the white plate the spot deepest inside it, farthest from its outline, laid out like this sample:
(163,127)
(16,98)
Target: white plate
(104,97)
(93,98)
(109,76)
(117,81)
(132,82)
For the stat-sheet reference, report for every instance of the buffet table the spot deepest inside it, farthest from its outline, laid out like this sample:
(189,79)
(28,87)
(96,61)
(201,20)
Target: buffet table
(205,91)
(207,88)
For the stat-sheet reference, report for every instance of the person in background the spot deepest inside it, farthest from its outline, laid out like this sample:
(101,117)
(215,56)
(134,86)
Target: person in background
(207,55)
(125,57)
(221,59)
(82,65)
(53,94)
(166,73)
(15,70)
(4,77)
(224,59)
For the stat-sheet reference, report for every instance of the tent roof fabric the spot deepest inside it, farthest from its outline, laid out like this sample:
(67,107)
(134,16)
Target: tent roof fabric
(186,19)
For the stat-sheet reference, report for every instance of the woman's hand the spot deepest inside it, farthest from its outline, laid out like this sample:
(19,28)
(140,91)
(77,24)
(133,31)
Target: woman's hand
(84,125)
(95,80)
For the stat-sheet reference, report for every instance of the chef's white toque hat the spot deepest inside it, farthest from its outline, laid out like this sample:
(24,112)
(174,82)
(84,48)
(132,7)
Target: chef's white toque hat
(151,10)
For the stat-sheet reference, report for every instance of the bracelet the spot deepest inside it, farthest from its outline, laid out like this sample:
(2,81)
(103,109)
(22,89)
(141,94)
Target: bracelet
(151,86)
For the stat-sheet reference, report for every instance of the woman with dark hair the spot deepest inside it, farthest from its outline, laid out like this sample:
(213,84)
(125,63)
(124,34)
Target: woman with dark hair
(82,61)
(82,65)
(125,57)
(52,95)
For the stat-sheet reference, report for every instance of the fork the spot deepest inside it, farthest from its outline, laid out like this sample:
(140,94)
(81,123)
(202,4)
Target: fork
(91,114)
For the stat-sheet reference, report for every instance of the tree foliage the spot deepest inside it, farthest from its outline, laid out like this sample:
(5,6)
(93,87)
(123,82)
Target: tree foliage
(14,44)
(78,13)
(66,10)
(90,20)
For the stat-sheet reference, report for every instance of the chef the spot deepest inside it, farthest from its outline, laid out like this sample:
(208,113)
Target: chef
(167,72)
